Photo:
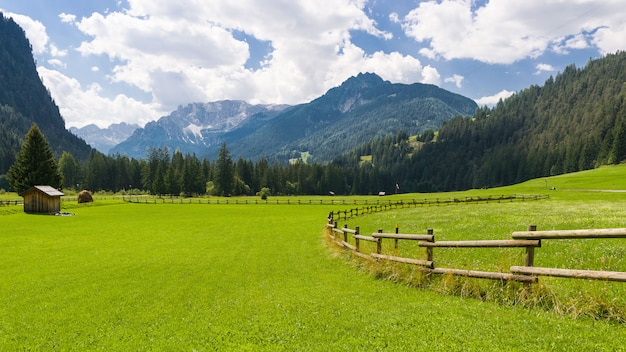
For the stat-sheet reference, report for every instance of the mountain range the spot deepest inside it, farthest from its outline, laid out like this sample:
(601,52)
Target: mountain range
(193,128)
(103,139)
(362,108)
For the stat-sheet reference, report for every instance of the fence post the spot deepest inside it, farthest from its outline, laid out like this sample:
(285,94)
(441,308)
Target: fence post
(396,240)
(345,234)
(356,239)
(429,250)
(530,251)
(379,244)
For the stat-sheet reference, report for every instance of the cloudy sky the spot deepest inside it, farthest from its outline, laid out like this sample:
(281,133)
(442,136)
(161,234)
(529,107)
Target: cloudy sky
(108,61)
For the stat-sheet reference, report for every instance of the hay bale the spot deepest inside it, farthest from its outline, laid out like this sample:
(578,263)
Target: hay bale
(84,197)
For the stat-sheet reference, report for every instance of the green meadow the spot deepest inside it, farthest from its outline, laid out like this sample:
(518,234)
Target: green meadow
(263,277)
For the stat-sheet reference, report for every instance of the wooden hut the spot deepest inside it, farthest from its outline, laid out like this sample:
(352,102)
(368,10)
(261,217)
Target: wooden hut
(42,200)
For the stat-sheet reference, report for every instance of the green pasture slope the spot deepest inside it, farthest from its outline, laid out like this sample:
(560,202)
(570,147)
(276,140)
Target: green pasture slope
(184,277)
(586,200)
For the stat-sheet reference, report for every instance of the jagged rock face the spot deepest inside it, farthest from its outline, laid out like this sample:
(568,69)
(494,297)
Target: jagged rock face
(193,127)
(197,121)
(103,139)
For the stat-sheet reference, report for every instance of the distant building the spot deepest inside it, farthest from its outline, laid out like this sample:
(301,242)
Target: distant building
(42,200)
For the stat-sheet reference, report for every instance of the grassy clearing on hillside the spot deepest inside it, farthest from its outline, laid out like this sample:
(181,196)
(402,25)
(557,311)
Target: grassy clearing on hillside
(234,277)
(583,206)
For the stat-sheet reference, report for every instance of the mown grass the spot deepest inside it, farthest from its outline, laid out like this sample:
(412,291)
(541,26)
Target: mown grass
(122,276)
(233,277)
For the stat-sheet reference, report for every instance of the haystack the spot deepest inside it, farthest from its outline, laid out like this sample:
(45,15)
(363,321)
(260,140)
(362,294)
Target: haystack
(84,197)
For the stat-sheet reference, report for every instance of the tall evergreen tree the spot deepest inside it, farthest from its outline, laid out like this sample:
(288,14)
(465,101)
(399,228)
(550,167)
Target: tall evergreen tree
(158,184)
(71,170)
(193,181)
(225,170)
(35,164)
(173,177)
(618,151)
(96,171)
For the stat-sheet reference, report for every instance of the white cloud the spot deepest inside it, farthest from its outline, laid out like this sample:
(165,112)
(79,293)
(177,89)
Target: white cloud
(67,18)
(611,39)
(544,68)
(394,17)
(54,51)
(155,46)
(456,79)
(431,76)
(393,67)
(35,31)
(57,63)
(494,99)
(506,31)
(37,35)
(81,106)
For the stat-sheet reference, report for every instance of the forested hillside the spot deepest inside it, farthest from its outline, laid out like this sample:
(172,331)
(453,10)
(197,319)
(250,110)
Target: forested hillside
(24,100)
(362,108)
(576,121)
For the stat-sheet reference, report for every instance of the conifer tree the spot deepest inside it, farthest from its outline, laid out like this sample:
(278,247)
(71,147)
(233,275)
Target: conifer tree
(71,171)
(35,164)
(225,171)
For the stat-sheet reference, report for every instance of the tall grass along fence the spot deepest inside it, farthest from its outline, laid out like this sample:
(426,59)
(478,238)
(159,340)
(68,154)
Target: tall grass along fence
(368,205)
(8,202)
(413,203)
(11,202)
(530,240)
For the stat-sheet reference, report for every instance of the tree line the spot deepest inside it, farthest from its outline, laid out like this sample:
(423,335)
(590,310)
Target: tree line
(576,121)
(173,173)
(167,173)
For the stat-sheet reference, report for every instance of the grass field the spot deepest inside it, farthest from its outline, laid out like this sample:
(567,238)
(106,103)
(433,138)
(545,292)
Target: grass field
(121,276)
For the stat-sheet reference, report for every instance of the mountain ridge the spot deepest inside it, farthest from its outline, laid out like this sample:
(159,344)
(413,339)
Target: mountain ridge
(363,104)
(103,139)
(192,127)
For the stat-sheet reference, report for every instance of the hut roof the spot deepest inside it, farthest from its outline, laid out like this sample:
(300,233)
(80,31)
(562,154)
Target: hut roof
(48,190)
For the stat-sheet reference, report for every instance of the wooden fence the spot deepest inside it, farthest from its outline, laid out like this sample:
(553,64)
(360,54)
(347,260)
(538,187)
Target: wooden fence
(367,206)
(364,206)
(11,202)
(414,203)
(529,240)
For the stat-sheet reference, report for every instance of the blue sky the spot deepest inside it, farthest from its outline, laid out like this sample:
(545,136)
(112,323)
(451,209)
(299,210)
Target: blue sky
(108,61)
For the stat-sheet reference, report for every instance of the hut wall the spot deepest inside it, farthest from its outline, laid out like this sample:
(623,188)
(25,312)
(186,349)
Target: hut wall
(37,202)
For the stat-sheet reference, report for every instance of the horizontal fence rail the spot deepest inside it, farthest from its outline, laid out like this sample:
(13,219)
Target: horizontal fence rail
(483,244)
(529,240)
(571,273)
(63,199)
(571,234)
(11,202)
(364,206)
(413,203)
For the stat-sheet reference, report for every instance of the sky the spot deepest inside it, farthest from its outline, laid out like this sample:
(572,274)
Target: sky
(134,61)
